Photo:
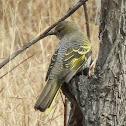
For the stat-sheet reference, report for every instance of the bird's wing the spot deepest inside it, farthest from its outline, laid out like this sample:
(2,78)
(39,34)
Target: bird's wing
(74,59)
(53,60)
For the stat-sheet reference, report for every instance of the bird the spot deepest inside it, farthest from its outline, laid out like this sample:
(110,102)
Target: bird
(72,54)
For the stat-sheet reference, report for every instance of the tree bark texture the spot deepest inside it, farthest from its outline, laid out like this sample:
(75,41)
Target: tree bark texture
(101,101)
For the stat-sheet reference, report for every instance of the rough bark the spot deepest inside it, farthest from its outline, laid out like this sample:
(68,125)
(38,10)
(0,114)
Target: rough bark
(101,101)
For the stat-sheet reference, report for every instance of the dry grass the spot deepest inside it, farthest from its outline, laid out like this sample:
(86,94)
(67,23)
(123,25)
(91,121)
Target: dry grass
(21,21)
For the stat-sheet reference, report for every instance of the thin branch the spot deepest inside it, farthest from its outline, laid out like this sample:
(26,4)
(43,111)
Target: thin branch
(71,10)
(61,95)
(17,66)
(87,20)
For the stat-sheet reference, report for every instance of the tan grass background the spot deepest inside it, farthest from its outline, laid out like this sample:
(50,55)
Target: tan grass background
(21,21)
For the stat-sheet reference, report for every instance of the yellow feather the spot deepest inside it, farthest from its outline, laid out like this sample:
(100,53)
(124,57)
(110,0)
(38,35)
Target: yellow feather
(82,50)
(81,65)
(47,111)
(76,61)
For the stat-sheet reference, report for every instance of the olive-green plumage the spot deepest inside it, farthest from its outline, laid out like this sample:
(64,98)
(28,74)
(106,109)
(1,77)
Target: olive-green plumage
(72,53)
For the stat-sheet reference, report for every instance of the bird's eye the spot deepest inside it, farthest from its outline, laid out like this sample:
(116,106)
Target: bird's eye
(59,30)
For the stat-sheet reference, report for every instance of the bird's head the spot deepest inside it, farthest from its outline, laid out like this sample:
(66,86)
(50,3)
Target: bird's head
(64,28)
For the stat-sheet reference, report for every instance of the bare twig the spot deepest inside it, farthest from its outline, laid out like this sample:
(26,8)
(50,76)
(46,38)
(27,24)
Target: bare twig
(17,66)
(66,111)
(62,97)
(87,20)
(43,34)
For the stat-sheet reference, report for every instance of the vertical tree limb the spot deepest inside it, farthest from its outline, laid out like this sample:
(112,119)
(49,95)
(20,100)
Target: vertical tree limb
(102,100)
(87,19)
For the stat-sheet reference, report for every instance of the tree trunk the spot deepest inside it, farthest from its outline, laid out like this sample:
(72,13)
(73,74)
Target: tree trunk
(101,101)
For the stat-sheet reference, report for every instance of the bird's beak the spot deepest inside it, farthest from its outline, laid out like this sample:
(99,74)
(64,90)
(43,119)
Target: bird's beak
(51,32)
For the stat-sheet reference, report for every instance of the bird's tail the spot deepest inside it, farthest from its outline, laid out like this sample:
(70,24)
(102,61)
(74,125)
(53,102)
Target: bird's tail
(46,98)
